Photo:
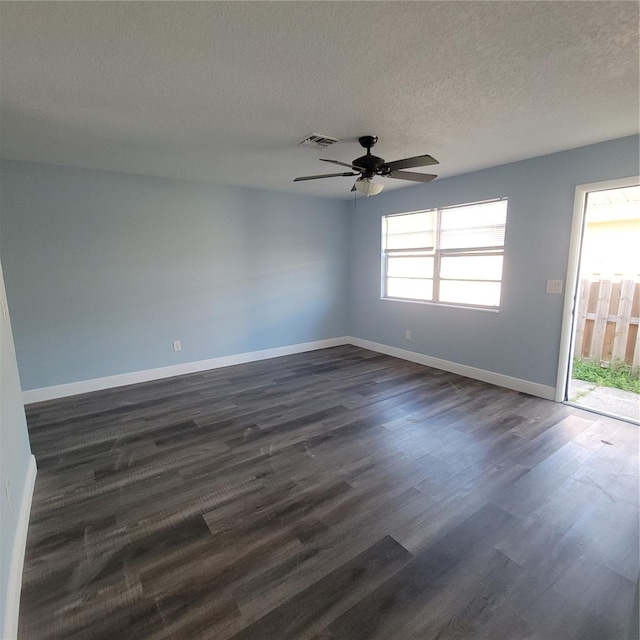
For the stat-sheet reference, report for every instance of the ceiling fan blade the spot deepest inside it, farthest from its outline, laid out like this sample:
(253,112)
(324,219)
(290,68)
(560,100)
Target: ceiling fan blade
(326,175)
(344,164)
(412,175)
(408,163)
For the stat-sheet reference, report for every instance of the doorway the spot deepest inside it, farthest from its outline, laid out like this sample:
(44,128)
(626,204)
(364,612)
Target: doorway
(600,358)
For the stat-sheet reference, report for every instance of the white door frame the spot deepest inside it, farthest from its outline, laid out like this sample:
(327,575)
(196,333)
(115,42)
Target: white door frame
(573,268)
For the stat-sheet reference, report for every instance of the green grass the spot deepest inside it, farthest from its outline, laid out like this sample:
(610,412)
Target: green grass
(618,378)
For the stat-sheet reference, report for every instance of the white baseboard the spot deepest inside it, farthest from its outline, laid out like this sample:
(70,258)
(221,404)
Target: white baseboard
(98,384)
(14,586)
(499,379)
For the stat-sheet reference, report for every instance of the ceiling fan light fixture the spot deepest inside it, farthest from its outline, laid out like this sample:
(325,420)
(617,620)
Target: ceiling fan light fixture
(368,188)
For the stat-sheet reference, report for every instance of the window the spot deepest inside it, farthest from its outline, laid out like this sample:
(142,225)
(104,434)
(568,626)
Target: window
(450,256)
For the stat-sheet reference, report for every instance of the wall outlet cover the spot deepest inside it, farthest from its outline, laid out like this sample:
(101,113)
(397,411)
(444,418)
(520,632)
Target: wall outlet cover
(554,286)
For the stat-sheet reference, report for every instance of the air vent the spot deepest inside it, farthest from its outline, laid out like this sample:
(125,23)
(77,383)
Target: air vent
(317,141)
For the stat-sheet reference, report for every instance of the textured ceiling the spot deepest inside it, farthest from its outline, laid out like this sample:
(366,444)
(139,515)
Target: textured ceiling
(220,92)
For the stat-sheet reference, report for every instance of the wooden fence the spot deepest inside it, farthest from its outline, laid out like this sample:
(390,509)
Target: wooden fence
(607,322)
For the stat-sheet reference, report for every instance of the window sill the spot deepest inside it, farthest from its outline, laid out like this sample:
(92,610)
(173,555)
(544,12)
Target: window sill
(447,305)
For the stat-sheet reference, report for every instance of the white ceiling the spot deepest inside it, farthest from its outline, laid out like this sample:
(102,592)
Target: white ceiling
(614,204)
(220,92)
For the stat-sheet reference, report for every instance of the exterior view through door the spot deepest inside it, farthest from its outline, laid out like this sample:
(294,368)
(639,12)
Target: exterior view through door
(605,355)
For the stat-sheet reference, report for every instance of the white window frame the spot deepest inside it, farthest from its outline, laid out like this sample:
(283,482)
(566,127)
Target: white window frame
(438,253)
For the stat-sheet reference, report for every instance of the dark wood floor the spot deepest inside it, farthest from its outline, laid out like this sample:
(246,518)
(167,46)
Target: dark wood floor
(339,494)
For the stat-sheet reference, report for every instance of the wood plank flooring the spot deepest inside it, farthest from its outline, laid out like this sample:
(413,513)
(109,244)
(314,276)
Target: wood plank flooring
(333,495)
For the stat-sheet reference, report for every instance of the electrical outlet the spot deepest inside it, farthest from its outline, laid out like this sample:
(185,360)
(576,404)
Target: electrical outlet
(554,286)
(7,491)
(177,345)
(407,334)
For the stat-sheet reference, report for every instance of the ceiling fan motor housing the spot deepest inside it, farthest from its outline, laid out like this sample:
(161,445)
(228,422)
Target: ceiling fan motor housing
(369,165)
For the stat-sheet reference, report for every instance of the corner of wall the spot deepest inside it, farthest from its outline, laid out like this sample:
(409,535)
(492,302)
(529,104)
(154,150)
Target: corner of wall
(14,582)
(17,477)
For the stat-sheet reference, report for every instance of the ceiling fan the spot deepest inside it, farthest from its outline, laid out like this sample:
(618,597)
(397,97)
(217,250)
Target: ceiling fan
(368,166)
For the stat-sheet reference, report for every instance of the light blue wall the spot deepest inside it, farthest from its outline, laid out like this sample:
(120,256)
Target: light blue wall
(104,271)
(523,339)
(15,452)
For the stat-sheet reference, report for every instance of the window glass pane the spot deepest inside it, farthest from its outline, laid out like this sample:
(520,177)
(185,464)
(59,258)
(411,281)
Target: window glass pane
(486,294)
(480,225)
(475,215)
(411,230)
(411,222)
(410,266)
(468,238)
(417,240)
(471,267)
(413,289)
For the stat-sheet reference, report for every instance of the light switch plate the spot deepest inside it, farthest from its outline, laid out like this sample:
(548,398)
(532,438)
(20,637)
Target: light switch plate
(554,286)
